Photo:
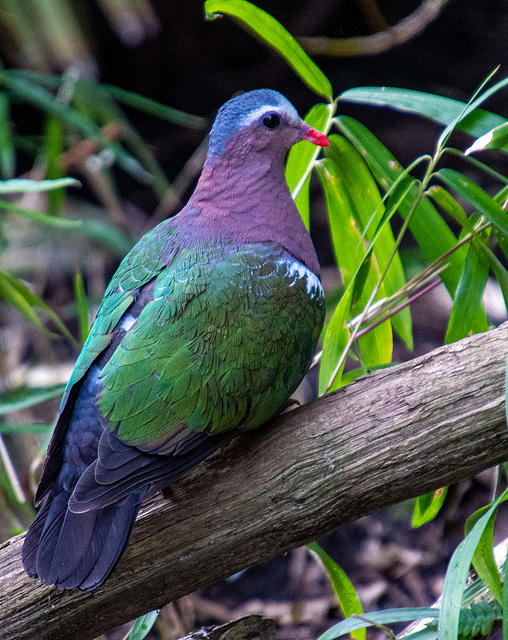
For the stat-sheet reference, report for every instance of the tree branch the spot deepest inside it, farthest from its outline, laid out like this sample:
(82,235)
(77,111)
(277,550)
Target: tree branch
(379,42)
(391,435)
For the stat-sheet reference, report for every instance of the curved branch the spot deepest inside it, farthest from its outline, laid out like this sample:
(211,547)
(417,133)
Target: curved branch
(394,434)
(403,31)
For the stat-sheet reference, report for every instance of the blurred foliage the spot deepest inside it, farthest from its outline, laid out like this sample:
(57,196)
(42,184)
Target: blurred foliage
(373,203)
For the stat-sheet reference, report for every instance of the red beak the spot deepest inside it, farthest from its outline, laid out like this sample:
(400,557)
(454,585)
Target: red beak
(315,136)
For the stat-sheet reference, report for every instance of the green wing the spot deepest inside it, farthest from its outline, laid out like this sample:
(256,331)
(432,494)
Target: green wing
(143,263)
(227,337)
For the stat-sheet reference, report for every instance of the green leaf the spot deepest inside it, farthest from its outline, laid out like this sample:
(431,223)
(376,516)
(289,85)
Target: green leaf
(11,429)
(348,600)
(39,97)
(155,108)
(301,158)
(476,197)
(389,616)
(438,108)
(431,232)
(449,204)
(367,209)
(7,149)
(25,397)
(483,559)
(505,599)
(467,315)
(334,343)
(143,625)
(272,32)
(428,506)
(37,216)
(54,148)
(376,346)
(82,303)
(129,98)
(20,296)
(456,575)
(497,138)
(25,186)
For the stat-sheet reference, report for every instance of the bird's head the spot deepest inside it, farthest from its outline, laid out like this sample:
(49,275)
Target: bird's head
(262,120)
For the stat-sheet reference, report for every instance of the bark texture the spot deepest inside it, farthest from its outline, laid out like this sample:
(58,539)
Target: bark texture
(391,435)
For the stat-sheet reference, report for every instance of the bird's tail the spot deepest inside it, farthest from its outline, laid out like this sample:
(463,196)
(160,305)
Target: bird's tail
(78,549)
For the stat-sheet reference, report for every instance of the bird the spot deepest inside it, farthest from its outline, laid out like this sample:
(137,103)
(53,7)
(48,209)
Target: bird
(204,332)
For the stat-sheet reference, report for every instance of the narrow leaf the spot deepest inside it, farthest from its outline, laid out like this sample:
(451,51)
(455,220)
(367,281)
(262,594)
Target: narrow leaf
(456,575)
(25,397)
(24,186)
(11,429)
(155,108)
(7,149)
(467,316)
(483,559)
(348,600)
(438,108)
(54,148)
(428,227)
(143,625)
(334,343)
(37,216)
(272,32)
(505,599)
(497,138)
(476,197)
(368,209)
(389,616)
(376,346)
(82,303)
(428,506)
(27,298)
(301,157)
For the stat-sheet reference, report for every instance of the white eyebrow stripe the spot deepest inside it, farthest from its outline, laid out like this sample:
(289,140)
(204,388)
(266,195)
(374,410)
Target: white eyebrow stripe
(267,108)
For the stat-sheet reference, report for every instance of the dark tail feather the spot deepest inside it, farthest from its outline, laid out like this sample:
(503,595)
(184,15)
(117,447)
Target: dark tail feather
(78,549)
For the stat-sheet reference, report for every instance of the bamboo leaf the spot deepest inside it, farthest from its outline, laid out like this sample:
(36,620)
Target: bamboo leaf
(389,616)
(367,209)
(7,149)
(25,186)
(82,303)
(505,599)
(476,197)
(20,296)
(25,397)
(154,108)
(334,343)
(428,506)
(467,315)
(143,625)
(272,32)
(483,559)
(301,157)
(455,579)
(497,138)
(438,108)
(54,148)
(376,346)
(11,429)
(430,230)
(348,600)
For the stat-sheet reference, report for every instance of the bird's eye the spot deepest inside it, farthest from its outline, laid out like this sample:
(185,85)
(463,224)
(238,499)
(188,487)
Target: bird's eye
(271,120)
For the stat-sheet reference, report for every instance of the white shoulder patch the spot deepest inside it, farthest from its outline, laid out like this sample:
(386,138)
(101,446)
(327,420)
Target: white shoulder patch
(312,283)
